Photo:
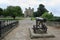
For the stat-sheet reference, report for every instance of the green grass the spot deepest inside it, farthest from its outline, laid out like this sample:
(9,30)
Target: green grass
(32,18)
(10,18)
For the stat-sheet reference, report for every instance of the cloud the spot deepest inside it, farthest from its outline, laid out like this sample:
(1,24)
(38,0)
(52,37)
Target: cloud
(3,5)
(54,2)
(51,5)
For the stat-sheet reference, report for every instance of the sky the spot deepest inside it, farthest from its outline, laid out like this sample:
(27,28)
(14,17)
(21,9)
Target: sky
(51,5)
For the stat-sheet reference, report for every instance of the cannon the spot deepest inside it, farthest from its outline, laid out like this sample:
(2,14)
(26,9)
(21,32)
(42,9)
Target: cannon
(40,26)
(40,29)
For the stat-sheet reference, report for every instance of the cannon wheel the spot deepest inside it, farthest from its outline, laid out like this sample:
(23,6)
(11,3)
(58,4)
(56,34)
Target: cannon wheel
(34,28)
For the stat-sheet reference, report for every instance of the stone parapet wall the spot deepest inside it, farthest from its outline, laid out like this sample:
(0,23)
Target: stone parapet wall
(54,24)
(6,26)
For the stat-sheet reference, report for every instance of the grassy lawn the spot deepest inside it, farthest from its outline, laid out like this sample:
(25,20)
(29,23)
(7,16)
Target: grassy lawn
(32,18)
(10,18)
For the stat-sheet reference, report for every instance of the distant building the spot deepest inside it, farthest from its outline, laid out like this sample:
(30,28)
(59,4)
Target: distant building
(28,12)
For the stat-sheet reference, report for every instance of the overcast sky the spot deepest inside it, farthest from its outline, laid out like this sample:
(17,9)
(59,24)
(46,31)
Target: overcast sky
(51,5)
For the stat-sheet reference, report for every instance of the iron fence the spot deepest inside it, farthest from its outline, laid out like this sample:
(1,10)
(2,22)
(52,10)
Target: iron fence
(6,26)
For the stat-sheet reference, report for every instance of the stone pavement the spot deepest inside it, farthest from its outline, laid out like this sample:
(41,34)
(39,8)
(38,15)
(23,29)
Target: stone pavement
(22,33)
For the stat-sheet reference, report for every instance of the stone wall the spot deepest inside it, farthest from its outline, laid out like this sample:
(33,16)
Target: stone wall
(54,24)
(28,12)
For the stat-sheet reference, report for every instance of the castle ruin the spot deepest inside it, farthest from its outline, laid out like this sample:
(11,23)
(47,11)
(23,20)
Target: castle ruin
(28,12)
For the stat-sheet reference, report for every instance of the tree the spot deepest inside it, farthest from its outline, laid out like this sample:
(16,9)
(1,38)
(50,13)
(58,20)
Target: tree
(35,14)
(14,11)
(5,13)
(1,11)
(19,11)
(41,9)
(47,15)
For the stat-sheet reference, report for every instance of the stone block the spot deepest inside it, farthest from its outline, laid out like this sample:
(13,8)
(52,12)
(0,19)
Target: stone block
(46,35)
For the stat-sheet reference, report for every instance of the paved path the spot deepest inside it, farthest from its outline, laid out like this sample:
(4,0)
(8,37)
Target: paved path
(22,32)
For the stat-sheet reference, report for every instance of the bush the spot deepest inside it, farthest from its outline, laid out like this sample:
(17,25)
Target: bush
(47,15)
(57,19)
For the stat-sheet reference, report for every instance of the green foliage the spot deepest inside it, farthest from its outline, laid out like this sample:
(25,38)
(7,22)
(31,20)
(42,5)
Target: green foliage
(41,10)
(35,14)
(55,19)
(50,17)
(47,15)
(5,13)
(1,11)
(32,18)
(12,11)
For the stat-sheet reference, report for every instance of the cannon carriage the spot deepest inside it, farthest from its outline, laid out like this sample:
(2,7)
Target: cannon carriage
(40,26)
(40,29)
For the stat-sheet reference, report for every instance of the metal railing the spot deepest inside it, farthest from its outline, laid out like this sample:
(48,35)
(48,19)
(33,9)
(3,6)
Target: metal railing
(6,26)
